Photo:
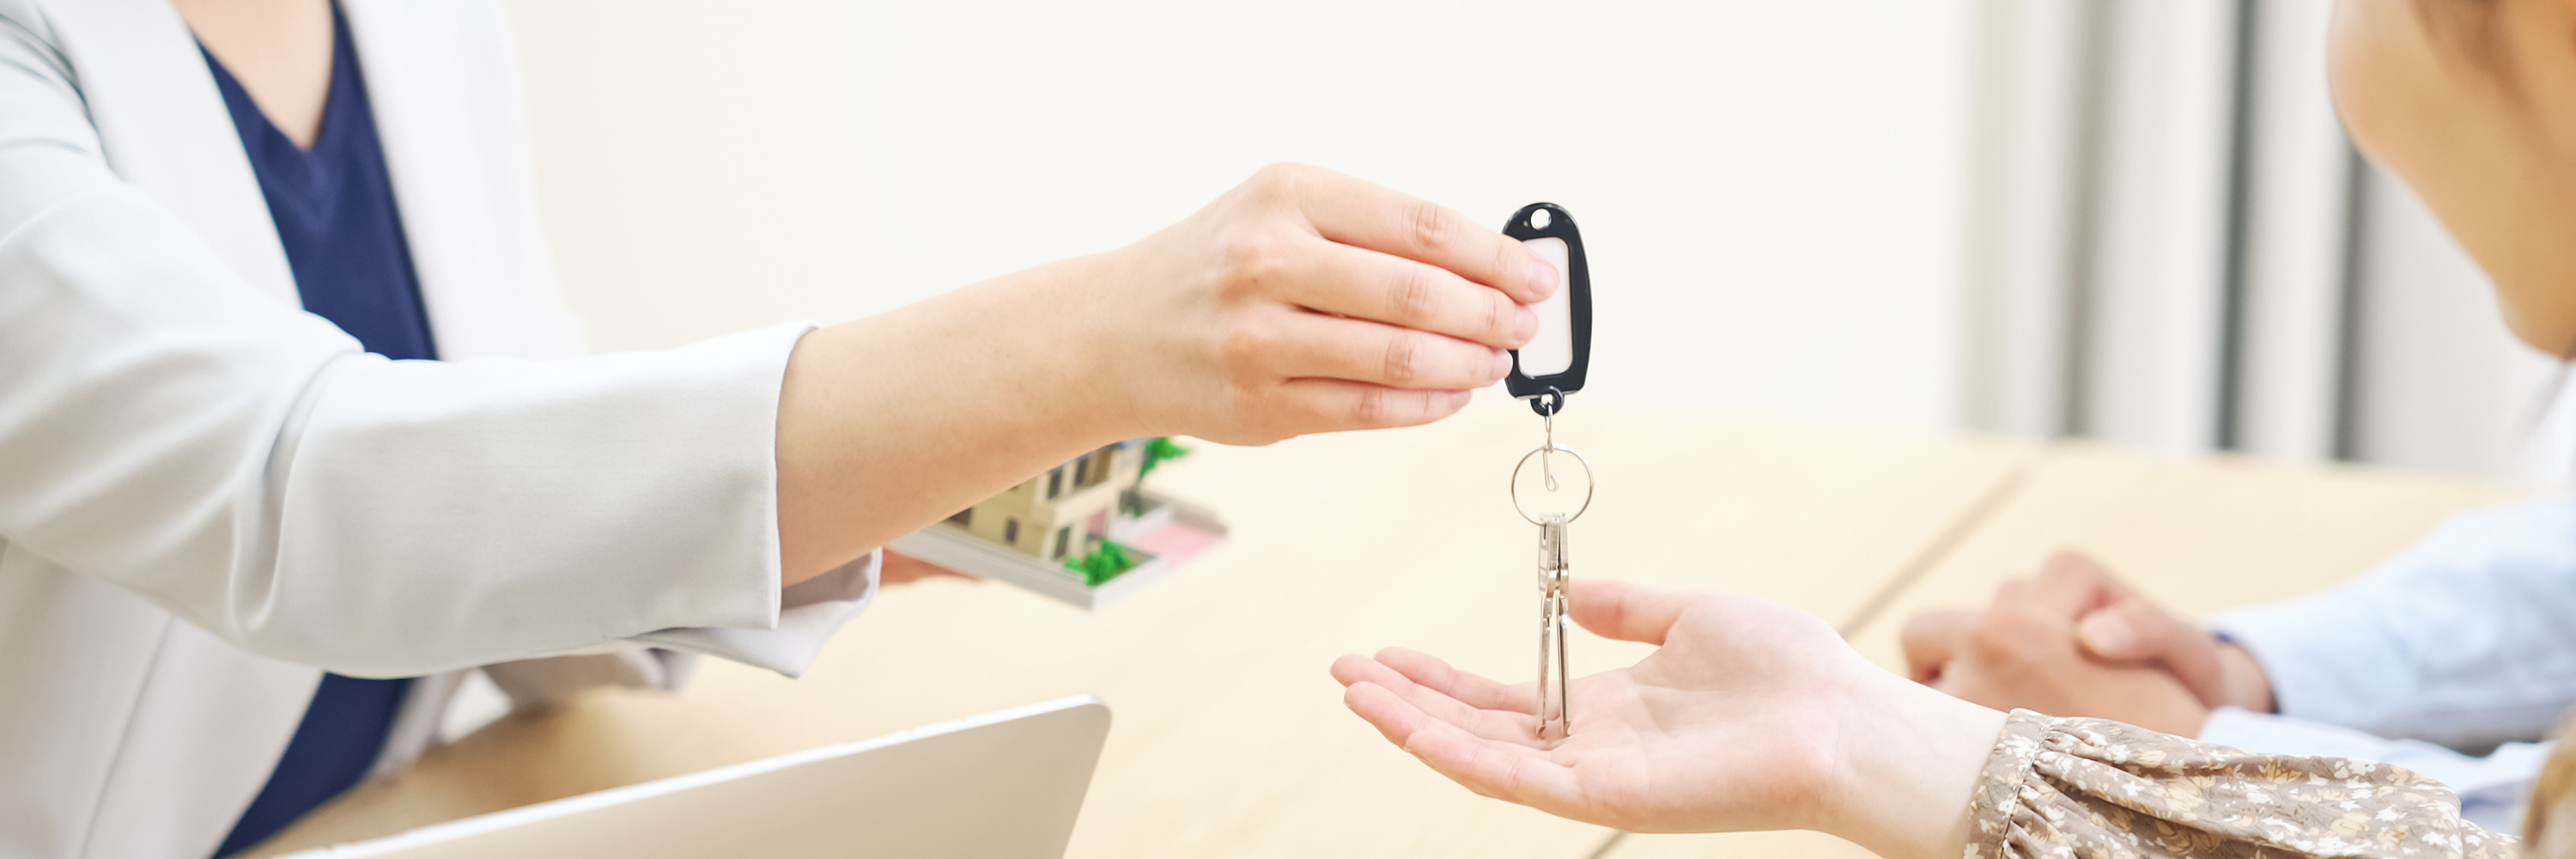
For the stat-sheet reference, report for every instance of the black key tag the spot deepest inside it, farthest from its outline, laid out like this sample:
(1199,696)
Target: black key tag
(1551,365)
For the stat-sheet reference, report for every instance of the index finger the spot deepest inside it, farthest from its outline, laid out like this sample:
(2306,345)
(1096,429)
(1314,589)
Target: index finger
(1931,640)
(1364,214)
(1437,674)
(2072,584)
(1487,722)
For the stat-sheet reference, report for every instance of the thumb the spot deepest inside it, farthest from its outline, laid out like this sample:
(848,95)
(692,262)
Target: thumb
(1623,611)
(2134,630)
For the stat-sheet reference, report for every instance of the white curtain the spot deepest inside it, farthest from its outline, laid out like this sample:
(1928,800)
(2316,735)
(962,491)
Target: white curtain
(2172,244)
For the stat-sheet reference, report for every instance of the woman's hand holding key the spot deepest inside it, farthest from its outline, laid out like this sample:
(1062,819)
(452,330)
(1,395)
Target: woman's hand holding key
(1301,301)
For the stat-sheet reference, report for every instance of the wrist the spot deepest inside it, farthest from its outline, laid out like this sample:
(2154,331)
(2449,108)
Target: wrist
(1109,354)
(1910,763)
(2242,680)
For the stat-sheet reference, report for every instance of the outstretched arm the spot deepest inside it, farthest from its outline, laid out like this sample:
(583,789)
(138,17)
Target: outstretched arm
(1753,716)
(1302,301)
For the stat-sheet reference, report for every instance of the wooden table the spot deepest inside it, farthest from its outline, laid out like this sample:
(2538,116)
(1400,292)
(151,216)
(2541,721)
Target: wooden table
(1231,739)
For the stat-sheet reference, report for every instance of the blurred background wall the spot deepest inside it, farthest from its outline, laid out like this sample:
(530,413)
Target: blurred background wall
(2127,219)
(2171,243)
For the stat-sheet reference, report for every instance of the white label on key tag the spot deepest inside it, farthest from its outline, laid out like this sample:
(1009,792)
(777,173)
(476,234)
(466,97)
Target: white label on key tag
(1552,351)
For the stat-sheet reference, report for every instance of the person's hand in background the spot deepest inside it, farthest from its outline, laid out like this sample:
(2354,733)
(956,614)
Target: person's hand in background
(1750,716)
(2076,642)
(2128,628)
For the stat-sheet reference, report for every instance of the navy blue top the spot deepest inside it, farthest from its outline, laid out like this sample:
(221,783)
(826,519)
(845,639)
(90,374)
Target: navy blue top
(334,210)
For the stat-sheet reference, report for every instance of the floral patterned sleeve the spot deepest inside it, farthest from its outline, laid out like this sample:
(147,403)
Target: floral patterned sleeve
(2088,788)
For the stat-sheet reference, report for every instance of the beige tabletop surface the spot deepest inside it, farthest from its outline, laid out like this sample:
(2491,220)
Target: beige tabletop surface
(1230,737)
(2196,534)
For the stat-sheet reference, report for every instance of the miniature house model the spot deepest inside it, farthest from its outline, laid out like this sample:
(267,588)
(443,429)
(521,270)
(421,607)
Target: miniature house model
(1085,532)
(1059,514)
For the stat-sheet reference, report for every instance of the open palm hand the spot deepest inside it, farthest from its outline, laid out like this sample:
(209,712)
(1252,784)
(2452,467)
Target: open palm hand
(1750,716)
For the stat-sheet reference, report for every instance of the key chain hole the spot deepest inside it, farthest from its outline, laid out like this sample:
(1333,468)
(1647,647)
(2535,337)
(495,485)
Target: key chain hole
(1539,219)
(1547,452)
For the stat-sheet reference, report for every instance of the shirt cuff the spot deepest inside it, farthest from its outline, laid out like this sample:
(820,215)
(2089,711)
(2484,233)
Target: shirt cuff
(808,614)
(2326,660)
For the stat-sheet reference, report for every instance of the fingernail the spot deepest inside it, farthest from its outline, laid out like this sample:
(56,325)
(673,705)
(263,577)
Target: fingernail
(1502,365)
(1542,279)
(2107,636)
(1524,325)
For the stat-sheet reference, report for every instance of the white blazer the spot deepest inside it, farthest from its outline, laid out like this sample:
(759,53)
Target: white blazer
(208,496)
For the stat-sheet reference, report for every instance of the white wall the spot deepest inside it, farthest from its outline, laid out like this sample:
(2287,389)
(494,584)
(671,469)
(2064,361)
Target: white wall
(1771,192)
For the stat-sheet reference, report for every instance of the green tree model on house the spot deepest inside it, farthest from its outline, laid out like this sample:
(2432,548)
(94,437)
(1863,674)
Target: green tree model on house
(1105,561)
(1152,452)
(1158,449)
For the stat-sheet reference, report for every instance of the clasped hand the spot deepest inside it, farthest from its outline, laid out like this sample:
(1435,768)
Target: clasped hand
(2074,641)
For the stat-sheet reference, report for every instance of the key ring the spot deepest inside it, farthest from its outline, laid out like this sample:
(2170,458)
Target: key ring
(1552,447)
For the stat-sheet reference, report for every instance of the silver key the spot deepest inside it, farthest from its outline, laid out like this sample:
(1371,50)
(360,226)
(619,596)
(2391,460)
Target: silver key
(1552,630)
(1555,711)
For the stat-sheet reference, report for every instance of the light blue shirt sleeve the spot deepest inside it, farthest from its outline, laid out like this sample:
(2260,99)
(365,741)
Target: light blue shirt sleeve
(2465,640)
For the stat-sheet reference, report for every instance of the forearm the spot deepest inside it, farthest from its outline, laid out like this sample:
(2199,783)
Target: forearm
(890,423)
(1302,301)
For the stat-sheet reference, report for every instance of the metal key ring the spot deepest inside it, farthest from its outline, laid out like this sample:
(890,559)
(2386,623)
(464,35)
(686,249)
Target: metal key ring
(1544,448)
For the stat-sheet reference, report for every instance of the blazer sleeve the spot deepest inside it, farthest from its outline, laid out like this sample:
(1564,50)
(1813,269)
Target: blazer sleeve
(246,466)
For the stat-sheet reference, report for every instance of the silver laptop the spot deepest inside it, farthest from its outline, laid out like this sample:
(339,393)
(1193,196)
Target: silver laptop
(1005,785)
